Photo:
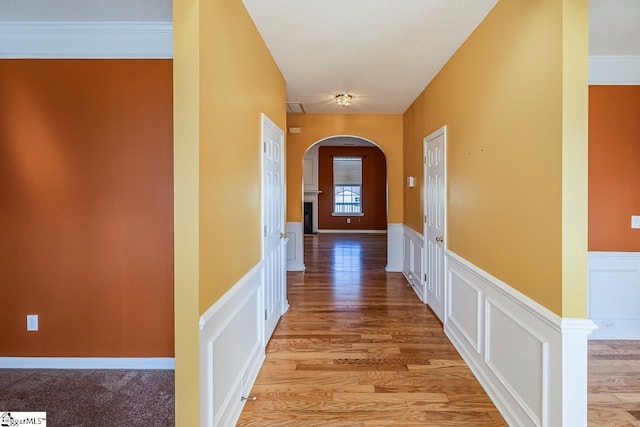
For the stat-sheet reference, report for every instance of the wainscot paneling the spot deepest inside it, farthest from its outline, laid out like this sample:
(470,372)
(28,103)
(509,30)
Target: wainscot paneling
(521,352)
(614,294)
(413,261)
(231,350)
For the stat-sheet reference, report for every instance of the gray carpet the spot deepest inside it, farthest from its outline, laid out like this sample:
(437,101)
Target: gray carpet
(91,397)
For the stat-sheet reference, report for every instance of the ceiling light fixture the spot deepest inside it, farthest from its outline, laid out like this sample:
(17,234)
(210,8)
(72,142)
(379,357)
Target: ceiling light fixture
(343,99)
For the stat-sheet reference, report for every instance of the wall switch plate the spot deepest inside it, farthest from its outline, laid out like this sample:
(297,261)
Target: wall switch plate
(635,221)
(348,220)
(32,322)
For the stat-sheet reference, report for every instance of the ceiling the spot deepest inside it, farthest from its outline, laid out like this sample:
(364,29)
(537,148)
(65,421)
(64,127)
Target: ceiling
(384,52)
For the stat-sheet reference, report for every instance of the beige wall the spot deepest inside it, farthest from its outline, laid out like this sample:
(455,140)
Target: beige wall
(514,103)
(385,130)
(224,78)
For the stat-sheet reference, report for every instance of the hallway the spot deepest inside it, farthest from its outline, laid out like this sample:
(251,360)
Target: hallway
(358,348)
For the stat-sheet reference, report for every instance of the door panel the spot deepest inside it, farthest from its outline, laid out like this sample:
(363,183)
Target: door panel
(274,243)
(435,227)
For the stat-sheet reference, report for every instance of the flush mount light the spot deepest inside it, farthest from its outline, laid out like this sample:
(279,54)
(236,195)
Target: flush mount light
(343,99)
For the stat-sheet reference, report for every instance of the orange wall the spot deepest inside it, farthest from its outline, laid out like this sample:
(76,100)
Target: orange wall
(614,167)
(374,189)
(86,213)
(511,110)
(224,79)
(385,130)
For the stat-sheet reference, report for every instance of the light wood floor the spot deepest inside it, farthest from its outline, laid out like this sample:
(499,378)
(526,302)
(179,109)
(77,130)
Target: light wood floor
(358,348)
(614,383)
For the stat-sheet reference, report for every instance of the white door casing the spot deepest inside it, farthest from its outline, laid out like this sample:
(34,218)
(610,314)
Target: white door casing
(273,226)
(435,205)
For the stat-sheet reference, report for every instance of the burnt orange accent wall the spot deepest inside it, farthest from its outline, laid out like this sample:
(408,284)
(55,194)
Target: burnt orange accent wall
(614,167)
(374,189)
(86,207)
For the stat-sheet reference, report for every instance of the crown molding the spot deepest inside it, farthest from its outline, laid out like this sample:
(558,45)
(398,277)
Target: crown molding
(614,70)
(86,40)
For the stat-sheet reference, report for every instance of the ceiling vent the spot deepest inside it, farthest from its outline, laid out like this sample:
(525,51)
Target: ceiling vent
(295,108)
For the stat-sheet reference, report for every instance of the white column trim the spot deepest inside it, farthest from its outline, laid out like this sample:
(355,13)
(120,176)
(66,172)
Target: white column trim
(395,233)
(574,370)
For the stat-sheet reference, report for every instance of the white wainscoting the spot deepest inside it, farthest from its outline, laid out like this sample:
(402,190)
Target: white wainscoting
(413,261)
(395,233)
(231,350)
(86,40)
(531,362)
(295,246)
(614,294)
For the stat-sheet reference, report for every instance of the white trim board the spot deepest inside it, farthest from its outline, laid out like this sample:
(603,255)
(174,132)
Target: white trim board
(531,362)
(614,294)
(165,363)
(295,246)
(108,40)
(394,247)
(614,70)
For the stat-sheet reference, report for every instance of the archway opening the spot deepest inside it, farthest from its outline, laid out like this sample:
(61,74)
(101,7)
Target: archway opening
(345,186)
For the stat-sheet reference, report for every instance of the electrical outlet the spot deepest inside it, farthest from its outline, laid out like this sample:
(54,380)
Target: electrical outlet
(348,220)
(635,221)
(32,322)
(608,324)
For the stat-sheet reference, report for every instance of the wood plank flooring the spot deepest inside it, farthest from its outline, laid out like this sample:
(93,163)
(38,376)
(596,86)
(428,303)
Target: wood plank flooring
(614,383)
(358,348)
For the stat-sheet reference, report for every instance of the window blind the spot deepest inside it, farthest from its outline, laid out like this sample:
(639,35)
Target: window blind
(347,171)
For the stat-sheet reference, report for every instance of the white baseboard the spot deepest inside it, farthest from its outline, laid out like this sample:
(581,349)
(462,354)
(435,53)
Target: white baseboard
(413,261)
(394,247)
(352,231)
(614,70)
(295,246)
(231,350)
(531,362)
(614,294)
(165,363)
(86,40)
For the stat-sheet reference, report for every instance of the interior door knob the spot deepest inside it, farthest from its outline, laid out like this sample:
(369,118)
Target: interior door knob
(440,239)
(283,235)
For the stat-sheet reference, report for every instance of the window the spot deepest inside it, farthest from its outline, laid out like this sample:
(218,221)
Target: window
(347,185)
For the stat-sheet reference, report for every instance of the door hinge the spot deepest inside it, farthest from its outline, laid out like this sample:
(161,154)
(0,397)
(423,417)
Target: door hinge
(425,277)
(425,218)
(425,160)
(264,146)
(265,314)
(265,231)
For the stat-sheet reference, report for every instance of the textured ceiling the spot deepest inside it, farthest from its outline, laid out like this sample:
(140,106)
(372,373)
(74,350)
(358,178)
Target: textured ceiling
(614,27)
(383,52)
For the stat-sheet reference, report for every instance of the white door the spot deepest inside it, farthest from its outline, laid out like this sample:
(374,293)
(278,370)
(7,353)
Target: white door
(274,238)
(435,219)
